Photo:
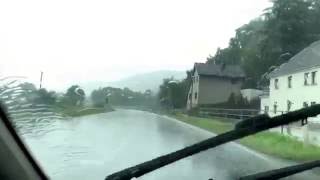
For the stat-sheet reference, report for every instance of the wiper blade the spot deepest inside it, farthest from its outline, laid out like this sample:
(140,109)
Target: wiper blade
(245,128)
(282,172)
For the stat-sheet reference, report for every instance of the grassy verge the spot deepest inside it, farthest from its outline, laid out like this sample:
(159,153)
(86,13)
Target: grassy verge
(217,126)
(282,146)
(75,111)
(266,142)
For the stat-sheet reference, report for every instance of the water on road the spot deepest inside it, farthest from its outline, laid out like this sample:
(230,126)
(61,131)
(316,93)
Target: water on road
(94,146)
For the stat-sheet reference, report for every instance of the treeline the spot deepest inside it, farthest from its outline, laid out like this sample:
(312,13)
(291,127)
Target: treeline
(122,97)
(270,40)
(259,46)
(74,96)
(71,103)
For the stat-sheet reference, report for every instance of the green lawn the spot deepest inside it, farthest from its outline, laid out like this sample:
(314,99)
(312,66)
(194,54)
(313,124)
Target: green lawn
(266,142)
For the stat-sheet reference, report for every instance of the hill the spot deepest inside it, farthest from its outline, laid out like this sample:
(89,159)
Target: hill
(138,82)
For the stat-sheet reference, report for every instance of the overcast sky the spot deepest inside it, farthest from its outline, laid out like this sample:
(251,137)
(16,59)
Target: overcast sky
(75,41)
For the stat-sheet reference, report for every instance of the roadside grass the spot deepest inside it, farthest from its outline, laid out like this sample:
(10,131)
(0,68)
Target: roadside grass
(217,125)
(271,143)
(285,147)
(75,111)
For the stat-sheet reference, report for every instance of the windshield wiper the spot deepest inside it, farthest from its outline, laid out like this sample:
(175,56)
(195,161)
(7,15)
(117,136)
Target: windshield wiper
(242,129)
(282,172)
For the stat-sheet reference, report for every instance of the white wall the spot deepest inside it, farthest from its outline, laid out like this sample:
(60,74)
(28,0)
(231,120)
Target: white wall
(196,80)
(297,94)
(194,88)
(264,101)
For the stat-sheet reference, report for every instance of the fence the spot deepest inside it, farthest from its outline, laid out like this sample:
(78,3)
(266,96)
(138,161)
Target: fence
(229,113)
(308,132)
(240,114)
(235,113)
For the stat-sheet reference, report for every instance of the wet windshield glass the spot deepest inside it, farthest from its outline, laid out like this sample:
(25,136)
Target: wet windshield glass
(94,87)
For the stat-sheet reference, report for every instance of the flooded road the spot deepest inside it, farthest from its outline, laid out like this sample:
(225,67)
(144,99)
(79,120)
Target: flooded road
(94,146)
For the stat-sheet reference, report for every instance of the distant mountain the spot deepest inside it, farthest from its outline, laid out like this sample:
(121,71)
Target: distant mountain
(139,82)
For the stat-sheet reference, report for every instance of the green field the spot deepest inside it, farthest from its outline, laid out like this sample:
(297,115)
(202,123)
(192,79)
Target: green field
(266,142)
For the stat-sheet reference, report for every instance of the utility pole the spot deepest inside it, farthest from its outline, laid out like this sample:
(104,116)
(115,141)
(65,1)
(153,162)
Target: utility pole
(41,75)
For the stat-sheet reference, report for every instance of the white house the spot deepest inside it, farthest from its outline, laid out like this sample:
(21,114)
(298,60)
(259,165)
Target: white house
(295,84)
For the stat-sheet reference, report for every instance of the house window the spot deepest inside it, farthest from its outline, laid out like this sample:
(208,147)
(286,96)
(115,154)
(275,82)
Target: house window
(289,104)
(313,78)
(195,95)
(190,96)
(313,103)
(289,81)
(275,108)
(306,77)
(266,109)
(305,104)
(276,83)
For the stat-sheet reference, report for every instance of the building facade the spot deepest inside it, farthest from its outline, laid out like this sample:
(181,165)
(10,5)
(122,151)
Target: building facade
(212,84)
(295,84)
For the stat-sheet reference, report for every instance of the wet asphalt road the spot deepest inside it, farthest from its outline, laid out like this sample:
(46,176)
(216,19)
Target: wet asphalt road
(94,146)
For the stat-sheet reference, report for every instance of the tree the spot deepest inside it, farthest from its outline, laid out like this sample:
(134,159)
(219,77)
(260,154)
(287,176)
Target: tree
(272,39)
(39,96)
(74,95)
(98,97)
(172,93)
(45,97)
(28,86)
(122,97)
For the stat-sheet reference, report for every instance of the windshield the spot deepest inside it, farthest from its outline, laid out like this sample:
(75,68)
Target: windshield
(94,87)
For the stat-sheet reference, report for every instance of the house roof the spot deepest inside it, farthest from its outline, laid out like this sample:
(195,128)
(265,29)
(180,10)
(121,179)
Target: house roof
(210,69)
(305,59)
